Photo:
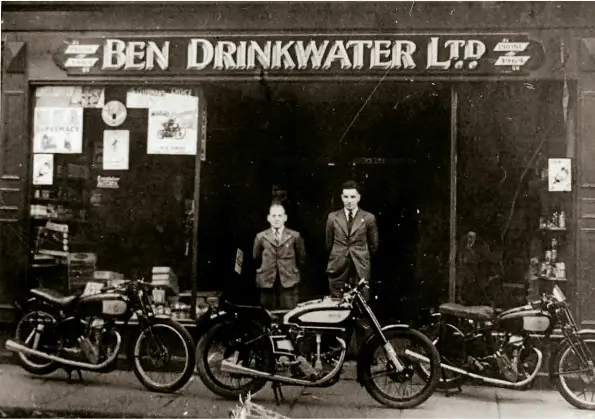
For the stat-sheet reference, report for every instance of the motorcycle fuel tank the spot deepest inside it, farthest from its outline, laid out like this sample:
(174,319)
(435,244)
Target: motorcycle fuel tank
(530,320)
(103,305)
(325,312)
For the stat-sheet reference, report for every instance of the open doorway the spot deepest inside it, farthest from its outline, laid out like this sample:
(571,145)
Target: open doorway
(393,138)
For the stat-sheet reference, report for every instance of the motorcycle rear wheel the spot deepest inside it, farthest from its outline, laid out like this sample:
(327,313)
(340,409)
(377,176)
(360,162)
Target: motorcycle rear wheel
(227,333)
(420,341)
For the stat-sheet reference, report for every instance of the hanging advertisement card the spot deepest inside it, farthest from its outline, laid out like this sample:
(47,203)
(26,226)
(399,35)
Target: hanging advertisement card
(149,98)
(88,97)
(43,169)
(108,182)
(559,175)
(58,130)
(55,91)
(239,261)
(172,130)
(116,148)
(203,136)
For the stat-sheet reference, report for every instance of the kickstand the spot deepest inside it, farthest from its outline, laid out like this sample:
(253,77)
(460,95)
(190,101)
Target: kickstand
(69,372)
(448,392)
(277,392)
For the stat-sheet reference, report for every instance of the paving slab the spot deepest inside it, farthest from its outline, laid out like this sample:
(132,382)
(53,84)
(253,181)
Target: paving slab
(119,394)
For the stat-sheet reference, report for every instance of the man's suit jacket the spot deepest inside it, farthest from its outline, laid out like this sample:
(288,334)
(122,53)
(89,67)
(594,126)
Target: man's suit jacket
(359,243)
(283,259)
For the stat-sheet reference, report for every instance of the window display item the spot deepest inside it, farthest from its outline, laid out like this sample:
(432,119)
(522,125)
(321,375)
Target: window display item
(43,169)
(164,276)
(81,267)
(559,175)
(114,113)
(53,239)
(562,220)
(115,149)
(58,130)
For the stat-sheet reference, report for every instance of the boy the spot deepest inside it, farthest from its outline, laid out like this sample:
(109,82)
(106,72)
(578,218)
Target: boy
(281,252)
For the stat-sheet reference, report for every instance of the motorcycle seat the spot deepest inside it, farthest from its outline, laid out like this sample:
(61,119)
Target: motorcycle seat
(467,312)
(243,308)
(53,297)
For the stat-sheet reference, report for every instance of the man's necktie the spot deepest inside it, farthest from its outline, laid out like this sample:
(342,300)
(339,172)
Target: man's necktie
(349,219)
(277,237)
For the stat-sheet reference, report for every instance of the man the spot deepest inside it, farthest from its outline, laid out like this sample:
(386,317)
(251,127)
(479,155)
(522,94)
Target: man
(281,253)
(351,240)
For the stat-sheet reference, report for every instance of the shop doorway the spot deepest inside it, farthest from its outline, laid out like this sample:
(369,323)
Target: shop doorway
(307,138)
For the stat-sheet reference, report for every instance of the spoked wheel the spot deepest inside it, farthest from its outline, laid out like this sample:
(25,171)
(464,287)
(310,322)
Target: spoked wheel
(402,389)
(575,373)
(164,357)
(35,331)
(227,341)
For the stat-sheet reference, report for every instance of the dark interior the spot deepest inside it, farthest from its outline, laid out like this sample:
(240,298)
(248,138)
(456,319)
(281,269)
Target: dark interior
(393,138)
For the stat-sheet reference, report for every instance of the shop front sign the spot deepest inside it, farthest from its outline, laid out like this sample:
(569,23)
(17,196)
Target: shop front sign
(456,54)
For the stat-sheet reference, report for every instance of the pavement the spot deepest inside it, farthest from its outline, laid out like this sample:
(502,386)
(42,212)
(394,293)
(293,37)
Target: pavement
(119,394)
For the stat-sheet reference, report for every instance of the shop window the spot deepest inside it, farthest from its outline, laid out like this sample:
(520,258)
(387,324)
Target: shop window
(514,238)
(112,190)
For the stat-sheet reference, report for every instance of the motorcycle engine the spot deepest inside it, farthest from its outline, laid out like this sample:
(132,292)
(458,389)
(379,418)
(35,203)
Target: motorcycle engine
(97,342)
(317,352)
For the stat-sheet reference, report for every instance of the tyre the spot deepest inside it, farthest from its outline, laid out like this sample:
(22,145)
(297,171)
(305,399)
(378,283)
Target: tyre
(228,336)
(584,375)
(371,368)
(44,341)
(157,345)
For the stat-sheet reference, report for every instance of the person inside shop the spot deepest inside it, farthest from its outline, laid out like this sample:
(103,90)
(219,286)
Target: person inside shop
(281,253)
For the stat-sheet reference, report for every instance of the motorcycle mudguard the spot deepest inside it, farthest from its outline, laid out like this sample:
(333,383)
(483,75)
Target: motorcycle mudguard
(213,317)
(369,345)
(554,354)
(207,321)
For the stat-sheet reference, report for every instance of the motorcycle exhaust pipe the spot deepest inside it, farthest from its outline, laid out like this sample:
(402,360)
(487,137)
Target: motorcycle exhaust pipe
(233,368)
(494,381)
(14,346)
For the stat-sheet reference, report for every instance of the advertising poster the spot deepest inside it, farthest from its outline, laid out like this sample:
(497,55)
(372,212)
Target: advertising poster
(149,98)
(58,130)
(43,169)
(559,175)
(116,149)
(88,97)
(172,130)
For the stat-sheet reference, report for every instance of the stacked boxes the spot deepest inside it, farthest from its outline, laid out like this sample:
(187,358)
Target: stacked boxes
(165,277)
(81,268)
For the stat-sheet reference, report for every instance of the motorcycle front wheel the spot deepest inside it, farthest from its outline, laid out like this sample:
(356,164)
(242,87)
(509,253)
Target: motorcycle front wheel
(573,368)
(227,339)
(165,345)
(374,368)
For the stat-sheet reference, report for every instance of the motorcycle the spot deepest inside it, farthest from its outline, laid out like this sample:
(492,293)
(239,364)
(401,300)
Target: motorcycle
(79,332)
(307,347)
(500,347)
(171,129)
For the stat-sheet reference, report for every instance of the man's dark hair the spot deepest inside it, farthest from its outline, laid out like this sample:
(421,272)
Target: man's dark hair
(350,184)
(278,203)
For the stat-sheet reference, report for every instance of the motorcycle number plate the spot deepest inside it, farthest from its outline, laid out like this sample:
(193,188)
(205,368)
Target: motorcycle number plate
(113,307)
